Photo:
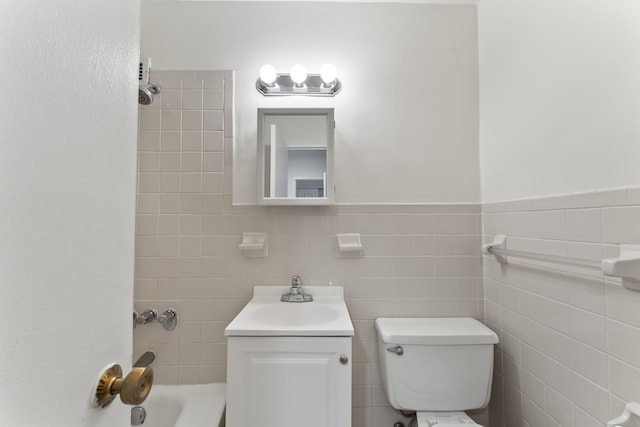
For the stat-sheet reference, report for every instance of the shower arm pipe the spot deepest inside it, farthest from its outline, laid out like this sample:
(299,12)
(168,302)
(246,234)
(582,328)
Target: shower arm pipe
(626,266)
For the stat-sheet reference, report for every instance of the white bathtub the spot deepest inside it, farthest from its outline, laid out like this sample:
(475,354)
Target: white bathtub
(198,405)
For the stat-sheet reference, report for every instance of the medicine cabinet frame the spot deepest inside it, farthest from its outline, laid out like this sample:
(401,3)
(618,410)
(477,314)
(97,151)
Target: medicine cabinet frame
(315,188)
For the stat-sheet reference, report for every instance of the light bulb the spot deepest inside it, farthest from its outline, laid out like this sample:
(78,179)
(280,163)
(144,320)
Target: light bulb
(328,73)
(298,74)
(268,74)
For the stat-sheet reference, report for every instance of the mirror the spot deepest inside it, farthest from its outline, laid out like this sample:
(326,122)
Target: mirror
(295,156)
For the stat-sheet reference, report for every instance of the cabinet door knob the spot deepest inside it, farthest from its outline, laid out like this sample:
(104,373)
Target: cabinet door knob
(344,359)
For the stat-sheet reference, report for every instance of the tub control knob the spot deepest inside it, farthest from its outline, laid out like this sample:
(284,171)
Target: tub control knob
(147,316)
(344,359)
(168,319)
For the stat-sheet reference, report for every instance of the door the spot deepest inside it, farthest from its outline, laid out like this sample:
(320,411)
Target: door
(67,179)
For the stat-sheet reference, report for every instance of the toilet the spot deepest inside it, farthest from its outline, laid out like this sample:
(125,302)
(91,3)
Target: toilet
(436,367)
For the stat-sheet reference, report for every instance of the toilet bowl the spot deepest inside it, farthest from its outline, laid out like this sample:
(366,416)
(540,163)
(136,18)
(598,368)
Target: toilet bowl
(436,367)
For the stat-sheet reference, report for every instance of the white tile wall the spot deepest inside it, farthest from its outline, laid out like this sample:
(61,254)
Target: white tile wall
(418,260)
(569,352)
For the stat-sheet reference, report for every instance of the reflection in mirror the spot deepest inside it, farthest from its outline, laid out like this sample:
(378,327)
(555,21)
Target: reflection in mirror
(295,156)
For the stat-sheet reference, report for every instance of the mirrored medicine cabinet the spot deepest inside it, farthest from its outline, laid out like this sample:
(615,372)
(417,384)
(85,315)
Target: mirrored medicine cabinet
(295,156)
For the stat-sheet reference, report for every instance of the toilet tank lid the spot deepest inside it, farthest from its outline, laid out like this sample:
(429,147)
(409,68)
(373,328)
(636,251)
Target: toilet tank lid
(434,331)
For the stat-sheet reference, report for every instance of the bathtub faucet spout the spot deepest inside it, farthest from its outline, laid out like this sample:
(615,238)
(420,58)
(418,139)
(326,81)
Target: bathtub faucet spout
(145,360)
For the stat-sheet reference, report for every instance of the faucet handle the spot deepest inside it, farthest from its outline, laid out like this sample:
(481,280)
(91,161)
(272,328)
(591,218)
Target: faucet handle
(147,316)
(296,281)
(168,319)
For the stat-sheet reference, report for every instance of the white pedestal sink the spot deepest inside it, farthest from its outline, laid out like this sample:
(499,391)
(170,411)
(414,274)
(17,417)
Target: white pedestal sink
(289,364)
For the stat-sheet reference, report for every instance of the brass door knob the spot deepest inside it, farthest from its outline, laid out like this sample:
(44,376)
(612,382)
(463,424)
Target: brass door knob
(133,389)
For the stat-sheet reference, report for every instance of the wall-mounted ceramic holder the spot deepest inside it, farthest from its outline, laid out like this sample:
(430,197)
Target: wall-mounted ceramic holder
(350,244)
(499,242)
(626,266)
(630,416)
(254,245)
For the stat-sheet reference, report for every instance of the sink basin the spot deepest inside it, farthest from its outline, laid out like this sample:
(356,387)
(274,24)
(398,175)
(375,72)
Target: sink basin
(266,315)
(287,314)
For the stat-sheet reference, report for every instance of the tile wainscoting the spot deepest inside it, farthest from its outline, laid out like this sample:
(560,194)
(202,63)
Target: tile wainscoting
(569,353)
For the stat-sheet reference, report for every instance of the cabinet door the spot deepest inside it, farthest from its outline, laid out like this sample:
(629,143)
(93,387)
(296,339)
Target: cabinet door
(288,382)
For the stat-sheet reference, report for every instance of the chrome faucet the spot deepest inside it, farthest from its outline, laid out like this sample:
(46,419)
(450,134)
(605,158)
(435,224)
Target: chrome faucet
(145,360)
(295,293)
(147,316)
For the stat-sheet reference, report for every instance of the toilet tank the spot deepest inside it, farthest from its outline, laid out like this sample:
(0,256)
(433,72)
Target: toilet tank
(445,364)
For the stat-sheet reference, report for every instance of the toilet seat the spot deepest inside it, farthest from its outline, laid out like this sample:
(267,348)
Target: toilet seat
(445,419)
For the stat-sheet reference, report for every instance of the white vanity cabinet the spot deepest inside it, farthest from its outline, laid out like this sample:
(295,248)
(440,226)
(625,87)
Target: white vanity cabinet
(289,381)
(288,363)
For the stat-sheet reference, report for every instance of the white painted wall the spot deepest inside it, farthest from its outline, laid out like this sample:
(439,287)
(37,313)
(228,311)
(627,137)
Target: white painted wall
(559,96)
(67,182)
(406,117)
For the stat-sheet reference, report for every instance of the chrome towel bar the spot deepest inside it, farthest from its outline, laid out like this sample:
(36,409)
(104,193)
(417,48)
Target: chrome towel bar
(626,266)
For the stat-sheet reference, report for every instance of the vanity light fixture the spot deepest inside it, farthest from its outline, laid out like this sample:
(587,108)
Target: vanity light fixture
(298,82)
